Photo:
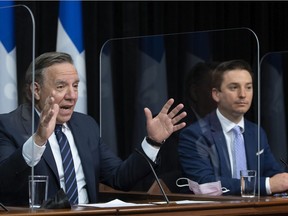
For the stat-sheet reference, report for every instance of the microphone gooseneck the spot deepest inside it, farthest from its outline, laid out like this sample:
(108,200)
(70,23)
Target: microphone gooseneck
(155,175)
(3,207)
(284,162)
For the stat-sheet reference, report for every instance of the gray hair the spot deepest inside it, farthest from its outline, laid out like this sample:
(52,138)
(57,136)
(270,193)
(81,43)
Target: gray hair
(42,62)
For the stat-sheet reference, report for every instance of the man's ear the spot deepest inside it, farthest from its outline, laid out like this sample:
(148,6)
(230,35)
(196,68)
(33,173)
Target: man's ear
(37,90)
(215,94)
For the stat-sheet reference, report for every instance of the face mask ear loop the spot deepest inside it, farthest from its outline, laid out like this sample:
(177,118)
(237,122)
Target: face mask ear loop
(182,185)
(225,190)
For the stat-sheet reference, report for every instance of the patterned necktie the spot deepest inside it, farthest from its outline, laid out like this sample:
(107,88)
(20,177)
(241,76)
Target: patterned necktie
(239,155)
(68,165)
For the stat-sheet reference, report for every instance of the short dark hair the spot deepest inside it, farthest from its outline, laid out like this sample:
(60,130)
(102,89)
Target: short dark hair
(41,63)
(222,68)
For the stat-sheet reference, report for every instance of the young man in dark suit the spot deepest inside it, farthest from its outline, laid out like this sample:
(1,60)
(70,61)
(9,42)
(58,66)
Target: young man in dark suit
(206,148)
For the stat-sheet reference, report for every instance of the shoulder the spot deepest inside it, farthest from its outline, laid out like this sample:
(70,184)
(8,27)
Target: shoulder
(253,127)
(84,119)
(23,111)
(202,123)
(249,125)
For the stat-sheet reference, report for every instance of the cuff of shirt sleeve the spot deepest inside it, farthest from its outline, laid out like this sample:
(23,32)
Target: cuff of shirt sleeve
(31,152)
(150,150)
(267,185)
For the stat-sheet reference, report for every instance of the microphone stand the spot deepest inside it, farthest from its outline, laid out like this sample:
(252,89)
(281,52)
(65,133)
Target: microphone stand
(155,175)
(284,162)
(3,207)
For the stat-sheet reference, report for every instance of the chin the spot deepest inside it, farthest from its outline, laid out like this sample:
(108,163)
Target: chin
(63,119)
(241,112)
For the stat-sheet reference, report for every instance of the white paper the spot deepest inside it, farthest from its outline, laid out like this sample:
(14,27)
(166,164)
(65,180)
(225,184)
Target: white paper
(120,203)
(114,203)
(186,202)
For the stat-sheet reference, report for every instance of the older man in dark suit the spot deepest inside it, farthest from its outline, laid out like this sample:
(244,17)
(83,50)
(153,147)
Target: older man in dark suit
(55,93)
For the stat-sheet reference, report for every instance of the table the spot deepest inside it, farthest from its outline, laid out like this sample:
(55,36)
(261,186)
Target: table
(224,205)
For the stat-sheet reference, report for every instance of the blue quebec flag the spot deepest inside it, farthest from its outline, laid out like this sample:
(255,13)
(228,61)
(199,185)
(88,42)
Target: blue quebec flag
(70,40)
(8,81)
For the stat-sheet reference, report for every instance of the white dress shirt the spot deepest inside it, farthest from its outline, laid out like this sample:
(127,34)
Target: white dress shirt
(29,147)
(227,125)
(38,152)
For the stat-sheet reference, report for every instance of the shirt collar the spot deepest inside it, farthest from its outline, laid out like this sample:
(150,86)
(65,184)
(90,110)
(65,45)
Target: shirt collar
(227,125)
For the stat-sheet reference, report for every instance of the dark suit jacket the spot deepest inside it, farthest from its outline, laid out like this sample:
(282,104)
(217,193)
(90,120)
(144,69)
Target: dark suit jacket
(99,163)
(204,155)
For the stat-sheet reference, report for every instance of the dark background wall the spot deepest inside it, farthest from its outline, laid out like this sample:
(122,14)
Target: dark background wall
(104,20)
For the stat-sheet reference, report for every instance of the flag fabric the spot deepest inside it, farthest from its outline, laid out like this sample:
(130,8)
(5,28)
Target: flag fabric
(8,74)
(151,82)
(70,40)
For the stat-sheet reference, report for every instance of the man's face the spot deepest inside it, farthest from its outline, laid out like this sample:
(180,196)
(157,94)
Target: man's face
(235,96)
(63,79)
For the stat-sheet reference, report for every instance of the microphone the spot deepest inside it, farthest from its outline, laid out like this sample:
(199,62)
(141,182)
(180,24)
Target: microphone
(284,162)
(155,175)
(3,207)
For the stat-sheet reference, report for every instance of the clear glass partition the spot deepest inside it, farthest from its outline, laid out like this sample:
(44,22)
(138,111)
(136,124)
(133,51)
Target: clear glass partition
(145,71)
(274,68)
(17,32)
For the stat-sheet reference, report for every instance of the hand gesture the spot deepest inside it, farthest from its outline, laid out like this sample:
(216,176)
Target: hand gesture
(164,124)
(47,121)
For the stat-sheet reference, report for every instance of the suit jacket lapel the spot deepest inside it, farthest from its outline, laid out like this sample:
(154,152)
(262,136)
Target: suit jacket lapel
(47,155)
(221,145)
(81,143)
(49,158)
(87,161)
(251,144)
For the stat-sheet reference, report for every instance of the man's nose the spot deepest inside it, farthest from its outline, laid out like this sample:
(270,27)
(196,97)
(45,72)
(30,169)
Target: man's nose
(72,93)
(242,92)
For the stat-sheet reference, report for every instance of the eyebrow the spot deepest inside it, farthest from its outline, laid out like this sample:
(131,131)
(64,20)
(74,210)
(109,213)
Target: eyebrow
(60,82)
(64,82)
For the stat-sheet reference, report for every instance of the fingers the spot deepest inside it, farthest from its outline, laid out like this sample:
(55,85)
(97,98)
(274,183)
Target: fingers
(148,114)
(174,115)
(177,118)
(47,121)
(50,110)
(175,111)
(167,106)
(179,126)
(48,104)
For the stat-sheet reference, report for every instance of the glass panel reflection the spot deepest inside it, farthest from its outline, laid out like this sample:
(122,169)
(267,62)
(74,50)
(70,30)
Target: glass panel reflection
(16,33)
(273,101)
(145,71)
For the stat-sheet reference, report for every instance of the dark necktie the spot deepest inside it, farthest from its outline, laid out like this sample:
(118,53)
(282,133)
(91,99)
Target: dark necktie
(68,165)
(239,152)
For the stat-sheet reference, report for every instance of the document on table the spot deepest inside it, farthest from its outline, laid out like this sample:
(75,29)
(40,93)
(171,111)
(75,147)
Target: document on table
(114,203)
(185,202)
(120,203)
